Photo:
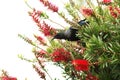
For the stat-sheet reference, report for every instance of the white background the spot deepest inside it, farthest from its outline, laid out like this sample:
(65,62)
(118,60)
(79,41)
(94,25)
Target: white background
(14,19)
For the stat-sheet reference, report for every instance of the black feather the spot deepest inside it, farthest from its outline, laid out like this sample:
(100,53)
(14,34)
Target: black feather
(69,35)
(83,22)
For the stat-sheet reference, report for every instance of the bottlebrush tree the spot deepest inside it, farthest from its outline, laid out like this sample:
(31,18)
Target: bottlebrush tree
(94,54)
(5,76)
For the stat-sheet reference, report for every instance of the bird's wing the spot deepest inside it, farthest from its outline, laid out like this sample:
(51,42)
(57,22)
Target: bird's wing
(67,33)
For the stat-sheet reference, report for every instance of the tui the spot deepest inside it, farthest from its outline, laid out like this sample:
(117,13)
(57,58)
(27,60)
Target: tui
(83,22)
(69,35)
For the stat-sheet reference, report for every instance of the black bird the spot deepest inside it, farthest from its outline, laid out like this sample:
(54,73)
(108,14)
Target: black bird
(69,35)
(83,22)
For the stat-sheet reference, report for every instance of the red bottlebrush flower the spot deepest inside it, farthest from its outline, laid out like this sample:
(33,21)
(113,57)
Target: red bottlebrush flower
(91,77)
(87,11)
(61,54)
(80,65)
(106,1)
(8,78)
(111,8)
(45,2)
(53,7)
(114,11)
(50,6)
(46,29)
(35,15)
(40,39)
(117,9)
(41,73)
(42,53)
(114,14)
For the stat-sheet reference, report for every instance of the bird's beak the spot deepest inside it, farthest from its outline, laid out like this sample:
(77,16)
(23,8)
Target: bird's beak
(52,39)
